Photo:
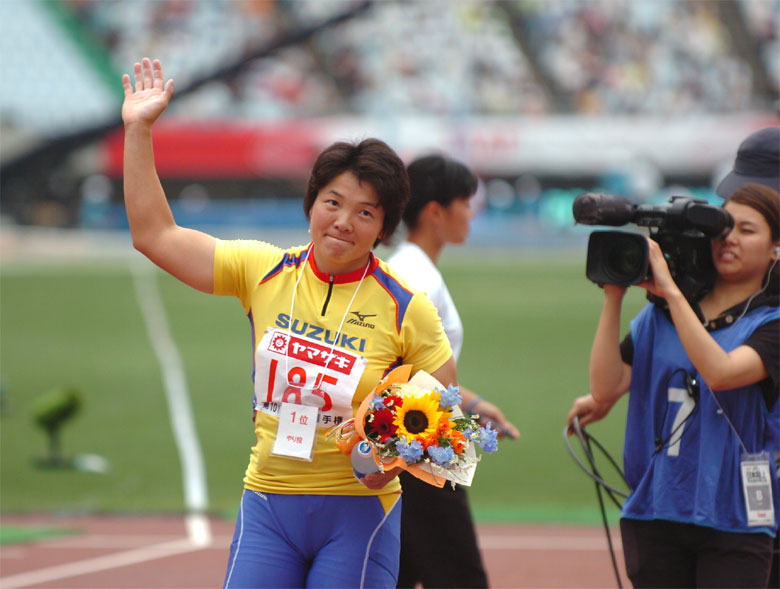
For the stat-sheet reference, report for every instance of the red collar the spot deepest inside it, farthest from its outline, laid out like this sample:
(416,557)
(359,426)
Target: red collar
(353,276)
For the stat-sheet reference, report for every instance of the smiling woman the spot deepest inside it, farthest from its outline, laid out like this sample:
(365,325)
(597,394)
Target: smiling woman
(304,517)
(346,220)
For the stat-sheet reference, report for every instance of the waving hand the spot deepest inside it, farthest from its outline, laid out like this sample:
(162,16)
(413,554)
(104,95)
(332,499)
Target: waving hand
(185,253)
(151,95)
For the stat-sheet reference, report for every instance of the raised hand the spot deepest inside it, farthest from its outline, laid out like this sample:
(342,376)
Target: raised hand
(151,95)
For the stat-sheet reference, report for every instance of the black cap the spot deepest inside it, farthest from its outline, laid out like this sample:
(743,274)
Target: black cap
(758,160)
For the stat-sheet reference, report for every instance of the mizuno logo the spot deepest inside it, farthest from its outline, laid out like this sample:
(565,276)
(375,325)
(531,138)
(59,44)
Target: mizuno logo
(362,317)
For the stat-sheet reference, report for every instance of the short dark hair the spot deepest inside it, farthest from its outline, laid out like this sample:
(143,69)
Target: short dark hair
(437,178)
(372,161)
(766,201)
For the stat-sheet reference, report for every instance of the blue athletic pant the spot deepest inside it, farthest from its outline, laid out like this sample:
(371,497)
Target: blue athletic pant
(314,541)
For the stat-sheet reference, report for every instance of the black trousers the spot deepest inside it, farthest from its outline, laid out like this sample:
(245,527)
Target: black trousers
(774,577)
(438,540)
(662,553)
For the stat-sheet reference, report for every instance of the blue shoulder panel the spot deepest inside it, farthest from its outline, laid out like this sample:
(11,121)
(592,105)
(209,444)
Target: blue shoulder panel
(287,260)
(400,295)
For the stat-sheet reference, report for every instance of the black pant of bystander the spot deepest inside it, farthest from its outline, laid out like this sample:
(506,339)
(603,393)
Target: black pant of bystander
(438,541)
(661,553)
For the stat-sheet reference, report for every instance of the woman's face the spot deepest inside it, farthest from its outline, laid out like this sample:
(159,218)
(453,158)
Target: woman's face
(457,220)
(345,221)
(745,253)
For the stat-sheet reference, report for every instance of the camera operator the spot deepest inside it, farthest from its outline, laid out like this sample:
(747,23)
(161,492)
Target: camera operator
(757,162)
(703,409)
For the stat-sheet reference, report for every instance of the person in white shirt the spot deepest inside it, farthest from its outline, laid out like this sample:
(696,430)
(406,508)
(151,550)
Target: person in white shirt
(439,212)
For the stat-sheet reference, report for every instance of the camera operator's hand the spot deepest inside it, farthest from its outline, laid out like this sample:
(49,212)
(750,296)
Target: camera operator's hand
(609,375)
(661,284)
(588,410)
(614,291)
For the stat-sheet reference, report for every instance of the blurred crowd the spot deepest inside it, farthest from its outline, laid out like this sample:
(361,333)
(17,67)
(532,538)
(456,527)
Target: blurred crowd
(386,60)
(653,57)
(457,58)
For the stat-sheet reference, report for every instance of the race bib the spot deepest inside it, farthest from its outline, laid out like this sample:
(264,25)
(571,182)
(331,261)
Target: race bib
(294,369)
(296,433)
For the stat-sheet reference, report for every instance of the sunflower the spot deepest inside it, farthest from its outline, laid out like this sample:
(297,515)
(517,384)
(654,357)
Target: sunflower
(418,417)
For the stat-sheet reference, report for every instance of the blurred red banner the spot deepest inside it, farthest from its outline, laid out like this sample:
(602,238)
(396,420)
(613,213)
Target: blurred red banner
(219,150)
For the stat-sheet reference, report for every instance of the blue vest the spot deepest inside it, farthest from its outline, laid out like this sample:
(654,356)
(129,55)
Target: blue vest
(695,477)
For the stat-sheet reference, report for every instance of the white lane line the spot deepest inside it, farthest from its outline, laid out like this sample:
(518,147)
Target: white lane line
(179,407)
(115,541)
(97,564)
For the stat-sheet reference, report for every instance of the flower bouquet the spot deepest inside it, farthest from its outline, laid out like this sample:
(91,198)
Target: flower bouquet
(416,424)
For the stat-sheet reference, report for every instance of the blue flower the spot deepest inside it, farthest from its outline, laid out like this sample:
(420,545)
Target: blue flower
(442,456)
(377,403)
(410,452)
(470,433)
(450,397)
(488,439)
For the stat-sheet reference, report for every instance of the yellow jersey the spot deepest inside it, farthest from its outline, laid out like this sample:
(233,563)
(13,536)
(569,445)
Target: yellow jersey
(321,341)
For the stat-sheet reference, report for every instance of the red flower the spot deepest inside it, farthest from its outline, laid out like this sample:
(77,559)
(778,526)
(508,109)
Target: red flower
(381,425)
(393,402)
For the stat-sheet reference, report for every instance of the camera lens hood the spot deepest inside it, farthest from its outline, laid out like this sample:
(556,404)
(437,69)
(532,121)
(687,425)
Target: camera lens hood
(617,257)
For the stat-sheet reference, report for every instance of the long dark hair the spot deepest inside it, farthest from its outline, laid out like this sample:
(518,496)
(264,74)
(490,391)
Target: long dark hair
(767,202)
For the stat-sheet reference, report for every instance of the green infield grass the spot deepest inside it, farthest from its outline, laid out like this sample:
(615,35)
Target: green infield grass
(529,321)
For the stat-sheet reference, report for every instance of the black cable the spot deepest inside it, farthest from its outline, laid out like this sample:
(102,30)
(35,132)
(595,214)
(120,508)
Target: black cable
(692,386)
(600,483)
(606,529)
(585,441)
(592,471)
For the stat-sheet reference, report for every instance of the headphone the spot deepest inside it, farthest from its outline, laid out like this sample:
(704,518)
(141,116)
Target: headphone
(692,386)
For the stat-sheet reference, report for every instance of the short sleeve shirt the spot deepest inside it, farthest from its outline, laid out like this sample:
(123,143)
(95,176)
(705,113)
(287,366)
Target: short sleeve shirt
(414,265)
(373,316)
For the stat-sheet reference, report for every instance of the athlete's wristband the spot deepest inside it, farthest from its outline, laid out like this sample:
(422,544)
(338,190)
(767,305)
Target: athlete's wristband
(469,408)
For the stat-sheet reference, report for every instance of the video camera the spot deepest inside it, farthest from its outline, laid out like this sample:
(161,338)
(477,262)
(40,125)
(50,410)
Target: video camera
(683,228)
